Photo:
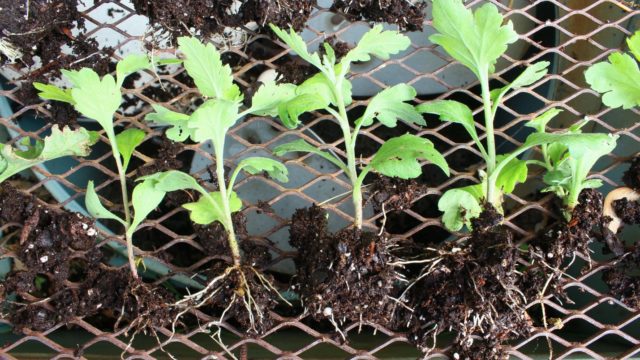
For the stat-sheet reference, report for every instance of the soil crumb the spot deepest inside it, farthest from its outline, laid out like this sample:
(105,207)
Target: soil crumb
(395,193)
(405,14)
(627,211)
(344,276)
(631,177)
(622,278)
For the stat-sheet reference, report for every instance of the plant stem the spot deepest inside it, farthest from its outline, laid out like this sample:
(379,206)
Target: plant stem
(222,187)
(131,256)
(491,142)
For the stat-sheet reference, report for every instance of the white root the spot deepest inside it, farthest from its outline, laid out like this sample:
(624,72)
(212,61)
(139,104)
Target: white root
(9,50)
(617,194)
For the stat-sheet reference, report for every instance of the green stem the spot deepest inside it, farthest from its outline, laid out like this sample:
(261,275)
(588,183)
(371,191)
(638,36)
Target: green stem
(489,115)
(130,255)
(222,187)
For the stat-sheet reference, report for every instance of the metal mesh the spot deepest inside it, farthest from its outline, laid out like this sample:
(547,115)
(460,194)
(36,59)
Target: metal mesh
(578,33)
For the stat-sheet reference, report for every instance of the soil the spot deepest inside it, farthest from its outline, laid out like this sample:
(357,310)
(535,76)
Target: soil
(56,247)
(631,177)
(400,12)
(473,292)
(623,279)
(394,193)
(210,17)
(344,276)
(627,211)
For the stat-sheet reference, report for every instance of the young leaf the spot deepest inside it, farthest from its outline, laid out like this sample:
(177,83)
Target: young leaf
(303,146)
(290,111)
(452,111)
(213,119)
(179,131)
(389,106)
(173,180)
(539,123)
(530,75)
(459,207)
(203,64)
(618,80)
(145,199)
(634,45)
(202,212)
(475,40)
(95,98)
(399,157)
(320,86)
(127,142)
(514,172)
(297,44)
(378,43)
(65,142)
(269,96)
(256,165)
(52,92)
(95,207)
(130,64)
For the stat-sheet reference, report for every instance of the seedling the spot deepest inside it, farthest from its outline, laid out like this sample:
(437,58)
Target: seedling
(477,39)
(211,122)
(99,99)
(330,90)
(60,143)
(568,163)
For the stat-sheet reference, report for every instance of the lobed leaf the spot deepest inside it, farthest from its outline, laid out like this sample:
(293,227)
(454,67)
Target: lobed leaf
(93,97)
(52,92)
(389,106)
(617,80)
(459,207)
(269,96)
(179,131)
(634,44)
(378,43)
(515,171)
(212,120)
(452,111)
(297,44)
(203,212)
(130,64)
(399,157)
(256,165)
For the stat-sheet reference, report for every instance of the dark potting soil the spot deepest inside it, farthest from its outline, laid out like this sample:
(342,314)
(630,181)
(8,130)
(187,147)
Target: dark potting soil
(344,276)
(209,17)
(631,177)
(394,193)
(623,280)
(56,246)
(627,211)
(403,13)
(472,290)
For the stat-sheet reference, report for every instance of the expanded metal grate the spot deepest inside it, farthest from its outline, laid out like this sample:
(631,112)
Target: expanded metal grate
(573,34)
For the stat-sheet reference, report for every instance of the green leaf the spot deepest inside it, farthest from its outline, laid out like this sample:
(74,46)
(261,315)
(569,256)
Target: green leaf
(145,198)
(297,44)
(202,212)
(592,183)
(95,207)
(452,111)
(269,96)
(130,64)
(617,80)
(203,64)
(389,106)
(179,130)
(173,180)
(514,172)
(303,146)
(60,143)
(95,98)
(634,45)
(256,165)
(475,40)
(212,120)
(459,207)
(52,92)
(529,76)
(378,43)
(127,142)
(290,111)
(321,86)
(539,123)
(399,157)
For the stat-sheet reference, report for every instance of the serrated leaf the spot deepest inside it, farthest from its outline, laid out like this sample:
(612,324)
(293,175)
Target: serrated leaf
(477,39)
(297,44)
(289,112)
(130,64)
(303,146)
(378,43)
(529,76)
(459,207)
(203,64)
(127,142)
(389,106)
(539,123)
(269,96)
(60,143)
(514,172)
(399,157)
(617,80)
(256,165)
(203,212)
(145,198)
(95,98)
(95,207)
(452,111)
(634,44)
(179,130)
(52,92)
(212,120)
